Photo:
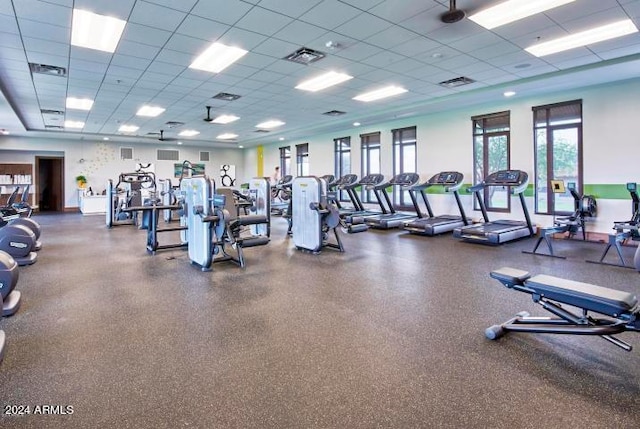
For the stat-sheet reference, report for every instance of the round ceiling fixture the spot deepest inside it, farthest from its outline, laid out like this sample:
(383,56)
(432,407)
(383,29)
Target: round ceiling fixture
(453,14)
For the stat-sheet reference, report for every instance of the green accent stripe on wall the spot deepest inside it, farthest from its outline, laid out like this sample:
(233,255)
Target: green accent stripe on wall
(607,192)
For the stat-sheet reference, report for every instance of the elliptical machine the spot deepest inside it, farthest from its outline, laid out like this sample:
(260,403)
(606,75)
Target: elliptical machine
(9,298)
(18,241)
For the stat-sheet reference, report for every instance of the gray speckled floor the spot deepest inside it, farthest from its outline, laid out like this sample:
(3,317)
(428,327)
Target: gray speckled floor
(388,334)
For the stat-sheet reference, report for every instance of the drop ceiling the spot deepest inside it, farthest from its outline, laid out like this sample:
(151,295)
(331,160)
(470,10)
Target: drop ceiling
(379,42)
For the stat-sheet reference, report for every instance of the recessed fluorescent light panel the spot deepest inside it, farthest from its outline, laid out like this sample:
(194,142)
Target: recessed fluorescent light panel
(588,37)
(323,81)
(128,128)
(79,103)
(509,93)
(227,136)
(270,124)
(151,111)
(217,57)
(225,119)
(378,94)
(513,10)
(93,31)
(73,124)
(189,133)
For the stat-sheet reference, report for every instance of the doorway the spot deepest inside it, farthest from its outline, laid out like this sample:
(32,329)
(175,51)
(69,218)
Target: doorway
(50,177)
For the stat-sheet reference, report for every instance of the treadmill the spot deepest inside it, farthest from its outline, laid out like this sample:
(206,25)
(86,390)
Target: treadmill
(340,185)
(433,225)
(369,182)
(395,219)
(499,231)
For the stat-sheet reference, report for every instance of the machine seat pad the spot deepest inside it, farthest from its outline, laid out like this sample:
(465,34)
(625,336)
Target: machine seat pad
(247,220)
(584,295)
(510,276)
(254,241)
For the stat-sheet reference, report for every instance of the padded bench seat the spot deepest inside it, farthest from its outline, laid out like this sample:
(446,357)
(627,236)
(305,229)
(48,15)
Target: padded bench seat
(584,295)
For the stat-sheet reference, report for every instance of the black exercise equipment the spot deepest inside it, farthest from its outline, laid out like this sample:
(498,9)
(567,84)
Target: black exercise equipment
(432,225)
(33,226)
(8,280)
(118,210)
(368,183)
(394,219)
(8,212)
(584,206)
(621,309)
(625,230)
(499,231)
(19,242)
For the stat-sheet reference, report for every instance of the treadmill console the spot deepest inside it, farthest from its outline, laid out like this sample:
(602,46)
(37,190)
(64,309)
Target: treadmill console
(371,179)
(405,179)
(632,187)
(506,178)
(347,179)
(447,178)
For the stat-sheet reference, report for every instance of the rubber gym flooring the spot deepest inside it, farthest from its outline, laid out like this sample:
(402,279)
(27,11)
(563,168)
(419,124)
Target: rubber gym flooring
(388,334)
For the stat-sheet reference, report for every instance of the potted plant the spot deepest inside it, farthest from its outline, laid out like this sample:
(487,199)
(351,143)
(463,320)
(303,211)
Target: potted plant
(81,181)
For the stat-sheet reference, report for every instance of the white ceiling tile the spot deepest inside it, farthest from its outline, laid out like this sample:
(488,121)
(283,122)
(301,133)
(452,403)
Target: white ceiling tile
(175,57)
(131,62)
(166,68)
(93,67)
(145,35)
(255,60)
(119,9)
(225,11)
(139,50)
(514,58)
(579,9)
(391,37)
(362,26)
(45,46)
(186,83)
(461,30)
(183,5)
(85,75)
(596,19)
(12,54)
(619,42)
(620,52)
(199,75)
(576,62)
(383,59)
(125,73)
(524,26)
(151,76)
(301,32)
(400,10)
(90,55)
(290,8)
(247,40)
(534,71)
(263,21)
(186,45)
(566,55)
(156,16)
(238,70)
(478,41)
(359,51)
(40,30)
(8,25)
(416,46)
(330,14)
(495,51)
(202,28)
(423,22)
(43,12)
(276,48)
(362,4)
(266,76)
(227,79)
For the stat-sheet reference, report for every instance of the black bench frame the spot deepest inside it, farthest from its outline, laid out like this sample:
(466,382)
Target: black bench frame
(565,320)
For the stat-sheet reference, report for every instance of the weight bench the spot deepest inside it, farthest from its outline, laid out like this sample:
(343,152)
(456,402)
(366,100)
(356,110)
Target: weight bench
(621,308)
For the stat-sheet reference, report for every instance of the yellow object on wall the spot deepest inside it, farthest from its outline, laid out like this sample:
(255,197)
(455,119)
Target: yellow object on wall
(260,161)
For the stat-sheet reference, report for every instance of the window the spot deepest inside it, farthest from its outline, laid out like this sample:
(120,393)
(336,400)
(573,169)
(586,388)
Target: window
(491,137)
(558,154)
(302,159)
(342,151)
(404,161)
(370,147)
(285,161)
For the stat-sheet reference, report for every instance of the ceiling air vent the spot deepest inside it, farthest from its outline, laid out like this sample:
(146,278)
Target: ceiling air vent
(226,96)
(51,112)
(459,81)
(204,156)
(54,127)
(261,131)
(47,69)
(305,56)
(174,124)
(334,113)
(153,134)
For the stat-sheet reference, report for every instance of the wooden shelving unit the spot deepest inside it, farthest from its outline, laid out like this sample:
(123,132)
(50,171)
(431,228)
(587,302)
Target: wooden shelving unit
(12,175)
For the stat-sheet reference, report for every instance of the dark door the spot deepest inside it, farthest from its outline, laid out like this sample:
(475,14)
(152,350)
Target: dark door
(50,177)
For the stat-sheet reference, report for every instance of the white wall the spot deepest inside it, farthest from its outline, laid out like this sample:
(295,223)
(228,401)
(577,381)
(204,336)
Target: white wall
(101,160)
(610,113)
